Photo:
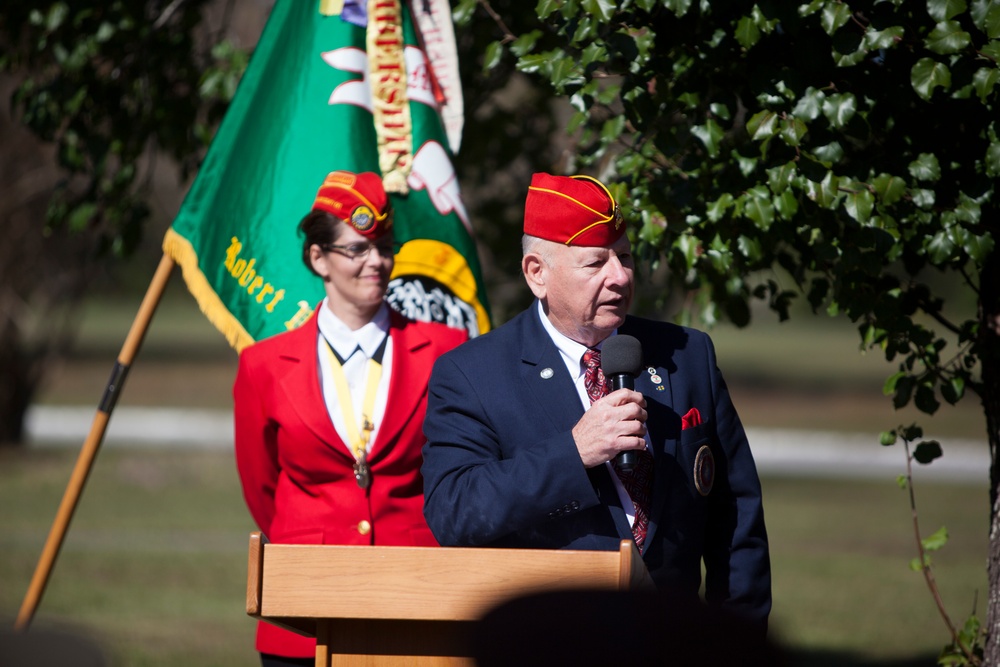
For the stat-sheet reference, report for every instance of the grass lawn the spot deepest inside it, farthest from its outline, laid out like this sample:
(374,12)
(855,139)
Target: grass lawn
(154,566)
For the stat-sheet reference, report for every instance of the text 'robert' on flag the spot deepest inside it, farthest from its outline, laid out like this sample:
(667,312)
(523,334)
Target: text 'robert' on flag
(340,86)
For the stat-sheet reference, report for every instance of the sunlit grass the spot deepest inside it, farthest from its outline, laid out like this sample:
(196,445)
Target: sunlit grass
(154,565)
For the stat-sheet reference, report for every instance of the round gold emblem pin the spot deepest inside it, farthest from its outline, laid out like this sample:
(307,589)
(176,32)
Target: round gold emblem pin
(362,218)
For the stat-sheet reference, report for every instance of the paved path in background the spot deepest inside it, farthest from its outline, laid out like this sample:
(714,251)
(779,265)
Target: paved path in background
(777,451)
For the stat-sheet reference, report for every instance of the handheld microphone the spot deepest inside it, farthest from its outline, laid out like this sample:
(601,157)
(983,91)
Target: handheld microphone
(621,362)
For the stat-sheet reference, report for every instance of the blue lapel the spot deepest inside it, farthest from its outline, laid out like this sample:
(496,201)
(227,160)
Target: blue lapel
(663,433)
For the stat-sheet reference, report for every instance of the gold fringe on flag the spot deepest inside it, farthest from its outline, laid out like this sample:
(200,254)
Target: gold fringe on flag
(180,249)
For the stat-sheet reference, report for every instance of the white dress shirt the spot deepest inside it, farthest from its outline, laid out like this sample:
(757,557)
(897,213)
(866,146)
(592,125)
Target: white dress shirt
(355,348)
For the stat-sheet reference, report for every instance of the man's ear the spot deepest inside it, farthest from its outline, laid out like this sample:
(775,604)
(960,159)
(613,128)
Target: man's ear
(535,272)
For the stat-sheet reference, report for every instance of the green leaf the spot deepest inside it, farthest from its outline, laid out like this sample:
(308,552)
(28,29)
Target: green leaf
(953,389)
(859,204)
(747,32)
(904,390)
(979,247)
(928,74)
(525,43)
(678,7)
(651,232)
(690,248)
(492,56)
(545,8)
(758,207)
(750,248)
(710,134)
(601,8)
(532,64)
(887,438)
(840,108)
(830,154)
(890,385)
(927,451)
(824,193)
(787,204)
(463,11)
(882,39)
(940,248)
(889,188)
(717,209)
(925,168)
(984,80)
(925,400)
(80,217)
(564,73)
(993,159)
(792,130)
(811,8)
(947,37)
(810,105)
(923,198)
(986,17)
(935,541)
(942,10)
(56,16)
(780,178)
(835,15)
(613,128)
(762,125)
(594,52)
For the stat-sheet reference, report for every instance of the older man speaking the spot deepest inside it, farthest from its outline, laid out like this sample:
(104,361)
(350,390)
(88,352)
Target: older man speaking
(525,435)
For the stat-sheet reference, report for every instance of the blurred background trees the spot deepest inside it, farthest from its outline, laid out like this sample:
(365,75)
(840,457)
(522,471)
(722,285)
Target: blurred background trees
(98,94)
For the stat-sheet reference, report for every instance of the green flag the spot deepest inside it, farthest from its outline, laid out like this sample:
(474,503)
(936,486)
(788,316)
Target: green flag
(304,108)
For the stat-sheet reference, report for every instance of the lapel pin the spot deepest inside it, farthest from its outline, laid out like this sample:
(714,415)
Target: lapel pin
(546,373)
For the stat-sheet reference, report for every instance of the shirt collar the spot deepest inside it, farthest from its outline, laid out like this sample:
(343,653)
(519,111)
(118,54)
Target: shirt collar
(345,341)
(571,351)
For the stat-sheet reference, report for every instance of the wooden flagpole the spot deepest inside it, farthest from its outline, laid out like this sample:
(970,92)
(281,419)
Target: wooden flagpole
(93,442)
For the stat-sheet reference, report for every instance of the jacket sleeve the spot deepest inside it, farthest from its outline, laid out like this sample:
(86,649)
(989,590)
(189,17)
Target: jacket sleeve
(488,470)
(737,562)
(255,437)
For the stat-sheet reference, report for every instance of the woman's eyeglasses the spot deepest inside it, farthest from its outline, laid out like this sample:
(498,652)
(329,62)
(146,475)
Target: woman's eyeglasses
(357,251)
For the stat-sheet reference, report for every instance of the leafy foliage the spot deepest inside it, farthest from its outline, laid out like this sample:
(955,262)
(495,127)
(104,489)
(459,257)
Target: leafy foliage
(103,89)
(832,151)
(107,82)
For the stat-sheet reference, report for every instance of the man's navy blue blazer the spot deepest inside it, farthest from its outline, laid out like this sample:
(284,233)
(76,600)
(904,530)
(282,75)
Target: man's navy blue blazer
(501,468)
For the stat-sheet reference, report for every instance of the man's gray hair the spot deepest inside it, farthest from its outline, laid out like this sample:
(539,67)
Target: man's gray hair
(537,245)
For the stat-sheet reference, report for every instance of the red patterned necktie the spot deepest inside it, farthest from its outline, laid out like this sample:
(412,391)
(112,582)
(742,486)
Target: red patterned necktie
(638,482)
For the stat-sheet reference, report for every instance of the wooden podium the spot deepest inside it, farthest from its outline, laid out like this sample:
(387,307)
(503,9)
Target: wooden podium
(413,605)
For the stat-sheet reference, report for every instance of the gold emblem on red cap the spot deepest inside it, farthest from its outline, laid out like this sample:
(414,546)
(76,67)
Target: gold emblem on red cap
(363,218)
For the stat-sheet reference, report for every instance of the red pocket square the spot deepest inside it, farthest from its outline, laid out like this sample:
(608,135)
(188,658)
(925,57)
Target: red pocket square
(692,418)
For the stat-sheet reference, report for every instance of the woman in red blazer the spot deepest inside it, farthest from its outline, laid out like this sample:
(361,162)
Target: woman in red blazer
(329,416)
